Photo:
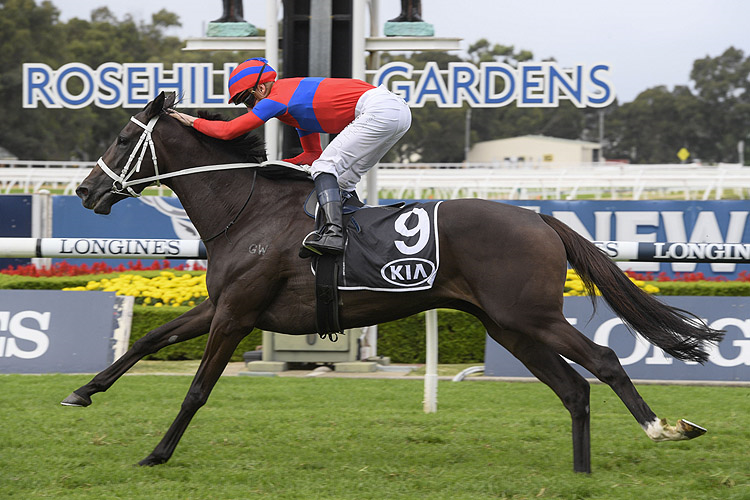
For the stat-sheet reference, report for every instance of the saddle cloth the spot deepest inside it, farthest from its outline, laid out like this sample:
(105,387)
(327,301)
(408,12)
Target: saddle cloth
(391,249)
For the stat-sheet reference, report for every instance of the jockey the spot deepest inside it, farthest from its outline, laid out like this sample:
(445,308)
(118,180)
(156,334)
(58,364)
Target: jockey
(368,120)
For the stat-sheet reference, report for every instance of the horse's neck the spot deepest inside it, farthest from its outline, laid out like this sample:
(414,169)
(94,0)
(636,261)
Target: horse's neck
(211,200)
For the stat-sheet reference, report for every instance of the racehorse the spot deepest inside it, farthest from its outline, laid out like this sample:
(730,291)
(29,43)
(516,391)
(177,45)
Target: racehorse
(503,264)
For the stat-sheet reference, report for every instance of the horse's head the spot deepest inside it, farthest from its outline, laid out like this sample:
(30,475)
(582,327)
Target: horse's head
(131,156)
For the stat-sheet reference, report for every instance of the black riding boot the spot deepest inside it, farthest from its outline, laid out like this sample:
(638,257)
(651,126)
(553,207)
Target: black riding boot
(330,237)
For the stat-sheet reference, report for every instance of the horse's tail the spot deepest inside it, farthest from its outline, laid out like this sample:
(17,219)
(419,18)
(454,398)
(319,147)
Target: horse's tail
(677,332)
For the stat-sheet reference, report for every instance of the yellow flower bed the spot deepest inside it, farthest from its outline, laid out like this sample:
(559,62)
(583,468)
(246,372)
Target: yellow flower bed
(574,285)
(167,289)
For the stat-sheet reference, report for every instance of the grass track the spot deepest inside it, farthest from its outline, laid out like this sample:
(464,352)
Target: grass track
(289,438)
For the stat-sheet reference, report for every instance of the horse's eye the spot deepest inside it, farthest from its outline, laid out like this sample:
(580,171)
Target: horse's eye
(121,140)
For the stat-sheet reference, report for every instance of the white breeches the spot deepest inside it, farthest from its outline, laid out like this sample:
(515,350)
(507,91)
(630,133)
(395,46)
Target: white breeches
(380,120)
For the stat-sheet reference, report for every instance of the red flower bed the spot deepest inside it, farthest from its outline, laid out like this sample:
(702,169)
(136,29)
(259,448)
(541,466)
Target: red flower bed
(66,269)
(662,276)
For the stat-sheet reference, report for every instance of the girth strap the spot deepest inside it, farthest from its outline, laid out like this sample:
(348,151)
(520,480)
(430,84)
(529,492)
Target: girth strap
(327,296)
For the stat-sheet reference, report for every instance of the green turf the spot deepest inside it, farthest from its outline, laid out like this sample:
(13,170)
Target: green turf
(335,438)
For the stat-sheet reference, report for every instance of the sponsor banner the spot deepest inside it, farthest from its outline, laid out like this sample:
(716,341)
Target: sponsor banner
(50,331)
(675,252)
(15,221)
(159,220)
(646,223)
(102,248)
(650,222)
(729,361)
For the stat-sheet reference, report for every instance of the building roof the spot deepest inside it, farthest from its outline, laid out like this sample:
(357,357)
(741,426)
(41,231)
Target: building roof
(6,155)
(543,138)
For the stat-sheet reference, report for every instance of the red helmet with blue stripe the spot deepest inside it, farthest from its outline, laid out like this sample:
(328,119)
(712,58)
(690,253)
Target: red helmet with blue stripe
(248,75)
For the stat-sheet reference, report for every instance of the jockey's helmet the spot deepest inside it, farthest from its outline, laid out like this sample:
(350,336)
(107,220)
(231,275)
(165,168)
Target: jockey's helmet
(248,75)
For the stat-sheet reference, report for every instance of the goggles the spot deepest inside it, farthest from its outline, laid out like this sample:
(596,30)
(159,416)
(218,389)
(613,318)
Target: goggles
(248,97)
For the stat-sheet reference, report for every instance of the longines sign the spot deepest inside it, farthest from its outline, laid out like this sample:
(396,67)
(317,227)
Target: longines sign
(491,84)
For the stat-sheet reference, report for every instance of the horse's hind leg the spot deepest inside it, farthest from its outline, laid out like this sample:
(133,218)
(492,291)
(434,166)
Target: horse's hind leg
(193,323)
(603,363)
(568,384)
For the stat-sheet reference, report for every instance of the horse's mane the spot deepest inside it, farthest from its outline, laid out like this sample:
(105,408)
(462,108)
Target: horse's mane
(250,148)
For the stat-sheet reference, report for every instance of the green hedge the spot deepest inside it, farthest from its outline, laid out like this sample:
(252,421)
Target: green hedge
(704,288)
(461,337)
(146,318)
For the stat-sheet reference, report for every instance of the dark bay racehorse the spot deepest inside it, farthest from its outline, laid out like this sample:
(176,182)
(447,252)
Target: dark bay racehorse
(503,264)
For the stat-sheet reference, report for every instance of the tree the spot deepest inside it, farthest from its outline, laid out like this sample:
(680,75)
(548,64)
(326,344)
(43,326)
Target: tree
(655,126)
(708,122)
(723,87)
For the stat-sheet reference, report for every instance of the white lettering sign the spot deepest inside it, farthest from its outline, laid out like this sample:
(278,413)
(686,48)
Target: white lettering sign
(493,84)
(130,85)
(27,327)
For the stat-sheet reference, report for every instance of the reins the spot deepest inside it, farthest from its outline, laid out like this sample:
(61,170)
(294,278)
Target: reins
(226,229)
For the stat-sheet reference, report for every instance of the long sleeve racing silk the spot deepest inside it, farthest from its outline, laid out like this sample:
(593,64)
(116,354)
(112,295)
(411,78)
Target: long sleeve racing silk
(311,105)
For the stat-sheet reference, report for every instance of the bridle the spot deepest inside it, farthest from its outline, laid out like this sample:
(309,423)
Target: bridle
(145,142)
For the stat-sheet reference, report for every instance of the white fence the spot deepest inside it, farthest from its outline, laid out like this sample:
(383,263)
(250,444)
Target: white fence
(448,181)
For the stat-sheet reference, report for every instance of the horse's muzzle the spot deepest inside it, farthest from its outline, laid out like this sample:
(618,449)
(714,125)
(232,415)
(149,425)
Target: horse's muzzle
(98,200)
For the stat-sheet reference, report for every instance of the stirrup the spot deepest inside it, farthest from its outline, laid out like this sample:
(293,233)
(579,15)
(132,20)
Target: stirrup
(320,249)
(305,251)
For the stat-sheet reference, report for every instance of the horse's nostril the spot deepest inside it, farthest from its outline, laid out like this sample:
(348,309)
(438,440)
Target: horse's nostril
(82,192)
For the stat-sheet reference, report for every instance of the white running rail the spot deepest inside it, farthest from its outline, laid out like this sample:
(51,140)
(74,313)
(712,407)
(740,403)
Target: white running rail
(449,181)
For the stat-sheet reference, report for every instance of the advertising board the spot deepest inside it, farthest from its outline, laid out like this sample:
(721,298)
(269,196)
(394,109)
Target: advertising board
(724,221)
(147,217)
(650,222)
(729,361)
(51,331)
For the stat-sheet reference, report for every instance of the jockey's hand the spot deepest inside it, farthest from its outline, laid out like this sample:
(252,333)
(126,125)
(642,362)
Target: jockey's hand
(183,118)
(304,158)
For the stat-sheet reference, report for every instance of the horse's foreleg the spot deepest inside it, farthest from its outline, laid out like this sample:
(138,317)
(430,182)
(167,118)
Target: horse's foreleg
(567,384)
(193,323)
(603,363)
(223,339)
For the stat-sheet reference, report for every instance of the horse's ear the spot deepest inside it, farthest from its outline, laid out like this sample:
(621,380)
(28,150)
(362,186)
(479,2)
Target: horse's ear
(155,107)
(170,100)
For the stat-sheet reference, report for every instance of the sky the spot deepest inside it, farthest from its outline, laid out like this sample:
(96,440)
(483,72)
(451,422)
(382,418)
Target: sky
(646,42)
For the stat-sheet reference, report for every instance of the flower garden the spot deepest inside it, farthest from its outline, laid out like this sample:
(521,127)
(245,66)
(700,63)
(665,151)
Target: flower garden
(166,289)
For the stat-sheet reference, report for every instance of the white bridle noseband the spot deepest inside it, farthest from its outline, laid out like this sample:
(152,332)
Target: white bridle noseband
(122,183)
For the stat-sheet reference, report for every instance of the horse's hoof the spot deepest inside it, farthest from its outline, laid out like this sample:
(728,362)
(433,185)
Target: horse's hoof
(76,400)
(150,461)
(689,429)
